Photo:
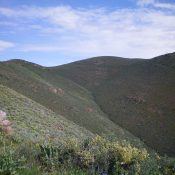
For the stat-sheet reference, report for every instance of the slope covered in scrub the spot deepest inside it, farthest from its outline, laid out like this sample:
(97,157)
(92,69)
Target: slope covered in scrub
(106,95)
(137,94)
(33,122)
(62,96)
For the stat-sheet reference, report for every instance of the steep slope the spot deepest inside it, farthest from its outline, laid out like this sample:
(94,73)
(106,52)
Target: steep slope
(137,94)
(91,73)
(34,122)
(61,95)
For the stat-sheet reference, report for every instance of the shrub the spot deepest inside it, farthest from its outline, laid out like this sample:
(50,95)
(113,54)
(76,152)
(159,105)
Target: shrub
(95,155)
(49,157)
(30,171)
(5,124)
(10,164)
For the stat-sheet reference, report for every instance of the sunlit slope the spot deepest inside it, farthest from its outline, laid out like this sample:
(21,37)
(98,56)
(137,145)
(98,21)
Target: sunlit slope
(33,122)
(62,96)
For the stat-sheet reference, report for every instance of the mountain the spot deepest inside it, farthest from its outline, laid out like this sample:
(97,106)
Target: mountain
(129,99)
(137,94)
(60,95)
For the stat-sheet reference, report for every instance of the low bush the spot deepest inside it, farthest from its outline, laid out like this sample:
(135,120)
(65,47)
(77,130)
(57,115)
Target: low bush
(10,162)
(96,155)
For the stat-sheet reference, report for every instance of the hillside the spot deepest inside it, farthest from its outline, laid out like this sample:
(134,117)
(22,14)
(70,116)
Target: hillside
(106,95)
(60,95)
(33,122)
(137,94)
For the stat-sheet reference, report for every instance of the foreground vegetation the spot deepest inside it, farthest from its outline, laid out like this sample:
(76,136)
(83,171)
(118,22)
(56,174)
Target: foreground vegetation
(71,157)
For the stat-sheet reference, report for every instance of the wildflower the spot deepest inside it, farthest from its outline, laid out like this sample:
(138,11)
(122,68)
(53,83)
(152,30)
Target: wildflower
(2,115)
(5,123)
(8,130)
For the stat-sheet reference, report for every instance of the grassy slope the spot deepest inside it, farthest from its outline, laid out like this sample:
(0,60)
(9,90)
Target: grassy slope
(34,122)
(71,100)
(136,94)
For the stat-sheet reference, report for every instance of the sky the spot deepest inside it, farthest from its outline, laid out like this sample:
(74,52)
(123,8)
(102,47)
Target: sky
(55,32)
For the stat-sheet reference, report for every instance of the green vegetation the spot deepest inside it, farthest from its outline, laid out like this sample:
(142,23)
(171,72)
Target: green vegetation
(136,94)
(72,157)
(60,95)
(64,120)
(34,122)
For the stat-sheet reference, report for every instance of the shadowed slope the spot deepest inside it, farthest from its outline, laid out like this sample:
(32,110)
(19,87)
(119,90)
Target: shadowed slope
(137,94)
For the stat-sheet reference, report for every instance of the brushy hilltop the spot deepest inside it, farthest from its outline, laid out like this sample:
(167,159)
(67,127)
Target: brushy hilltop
(64,120)
(104,93)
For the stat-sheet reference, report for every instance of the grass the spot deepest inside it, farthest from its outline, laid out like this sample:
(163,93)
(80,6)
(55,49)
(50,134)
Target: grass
(32,121)
(36,171)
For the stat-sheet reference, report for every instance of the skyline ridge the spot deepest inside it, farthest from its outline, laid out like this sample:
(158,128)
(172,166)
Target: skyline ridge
(39,64)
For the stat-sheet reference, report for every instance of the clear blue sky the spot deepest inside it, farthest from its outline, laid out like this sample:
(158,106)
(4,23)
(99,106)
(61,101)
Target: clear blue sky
(54,32)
